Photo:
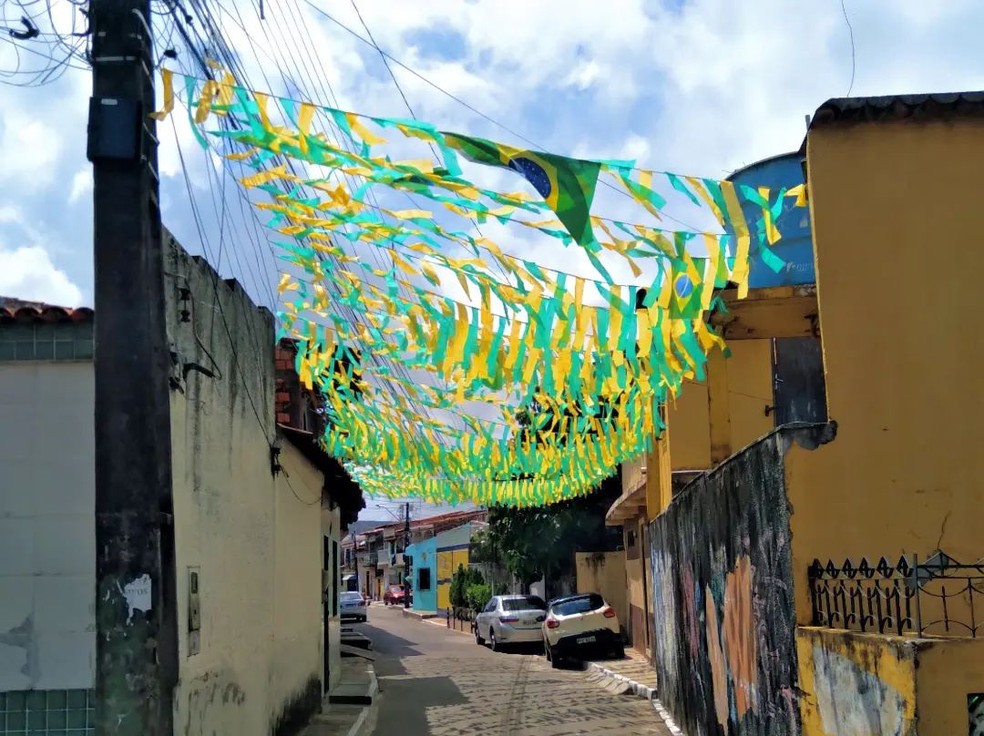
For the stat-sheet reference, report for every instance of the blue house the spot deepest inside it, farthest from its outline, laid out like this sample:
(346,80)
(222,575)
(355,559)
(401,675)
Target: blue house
(423,560)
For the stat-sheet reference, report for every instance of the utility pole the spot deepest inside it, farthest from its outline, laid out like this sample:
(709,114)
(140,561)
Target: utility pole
(406,559)
(136,618)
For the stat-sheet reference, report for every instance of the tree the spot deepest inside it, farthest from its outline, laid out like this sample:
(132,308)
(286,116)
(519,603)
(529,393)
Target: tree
(540,542)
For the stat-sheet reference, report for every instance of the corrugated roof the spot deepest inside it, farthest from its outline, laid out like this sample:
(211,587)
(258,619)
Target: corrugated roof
(931,106)
(20,310)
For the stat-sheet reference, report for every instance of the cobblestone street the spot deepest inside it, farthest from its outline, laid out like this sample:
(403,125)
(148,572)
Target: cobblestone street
(436,682)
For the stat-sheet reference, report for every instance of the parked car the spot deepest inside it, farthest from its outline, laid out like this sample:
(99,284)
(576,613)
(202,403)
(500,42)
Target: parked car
(579,625)
(394,595)
(353,606)
(510,619)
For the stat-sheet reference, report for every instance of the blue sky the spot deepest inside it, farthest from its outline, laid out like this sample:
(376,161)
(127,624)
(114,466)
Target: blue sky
(700,87)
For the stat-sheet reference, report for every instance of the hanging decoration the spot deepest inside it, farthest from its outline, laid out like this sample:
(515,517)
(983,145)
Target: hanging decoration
(569,372)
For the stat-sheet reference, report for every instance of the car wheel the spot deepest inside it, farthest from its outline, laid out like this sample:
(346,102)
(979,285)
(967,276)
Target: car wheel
(478,638)
(493,644)
(551,655)
(619,651)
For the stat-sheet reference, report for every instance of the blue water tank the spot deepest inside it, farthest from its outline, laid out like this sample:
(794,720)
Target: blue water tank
(795,247)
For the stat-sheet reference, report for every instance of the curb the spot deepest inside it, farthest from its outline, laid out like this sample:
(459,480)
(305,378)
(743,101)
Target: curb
(630,686)
(419,614)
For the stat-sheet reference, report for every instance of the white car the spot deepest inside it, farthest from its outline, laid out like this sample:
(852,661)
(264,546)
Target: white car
(581,624)
(353,607)
(510,619)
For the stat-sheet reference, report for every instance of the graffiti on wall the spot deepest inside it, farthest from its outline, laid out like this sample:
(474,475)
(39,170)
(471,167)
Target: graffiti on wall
(724,642)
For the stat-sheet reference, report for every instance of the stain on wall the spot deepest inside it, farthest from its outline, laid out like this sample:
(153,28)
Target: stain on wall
(724,643)
(856,684)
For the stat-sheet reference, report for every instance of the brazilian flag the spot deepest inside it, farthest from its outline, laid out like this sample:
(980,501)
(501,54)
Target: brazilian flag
(566,184)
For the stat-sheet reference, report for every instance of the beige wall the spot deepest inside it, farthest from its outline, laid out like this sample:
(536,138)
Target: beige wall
(255,538)
(604,573)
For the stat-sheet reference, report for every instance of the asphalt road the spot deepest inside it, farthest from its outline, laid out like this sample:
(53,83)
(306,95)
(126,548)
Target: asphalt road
(437,682)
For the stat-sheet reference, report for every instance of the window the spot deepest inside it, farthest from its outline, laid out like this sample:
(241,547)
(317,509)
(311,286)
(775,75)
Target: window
(46,341)
(581,604)
(526,603)
(424,578)
(492,605)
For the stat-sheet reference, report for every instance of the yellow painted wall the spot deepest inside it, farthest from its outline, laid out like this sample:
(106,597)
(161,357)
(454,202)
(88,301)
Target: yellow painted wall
(947,671)
(444,573)
(749,391)
(447,564)
(857,684)
(605,575)
(688,421)
(896,213)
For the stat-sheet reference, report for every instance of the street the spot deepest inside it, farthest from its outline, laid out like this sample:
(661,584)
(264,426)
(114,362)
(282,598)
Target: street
(438,682)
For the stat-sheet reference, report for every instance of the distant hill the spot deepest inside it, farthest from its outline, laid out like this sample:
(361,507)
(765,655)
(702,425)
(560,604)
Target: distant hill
(357,527)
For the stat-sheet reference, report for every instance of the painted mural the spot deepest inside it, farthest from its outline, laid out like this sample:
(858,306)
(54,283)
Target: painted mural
(724,644)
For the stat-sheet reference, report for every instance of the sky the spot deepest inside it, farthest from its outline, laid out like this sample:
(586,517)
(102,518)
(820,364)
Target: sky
(697,87)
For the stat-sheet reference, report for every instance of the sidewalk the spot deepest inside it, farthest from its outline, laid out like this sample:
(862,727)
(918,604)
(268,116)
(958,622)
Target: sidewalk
(631,676)
(346,710)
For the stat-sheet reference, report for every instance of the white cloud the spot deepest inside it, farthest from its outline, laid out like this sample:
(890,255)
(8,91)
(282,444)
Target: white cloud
(81,185)
(28,273)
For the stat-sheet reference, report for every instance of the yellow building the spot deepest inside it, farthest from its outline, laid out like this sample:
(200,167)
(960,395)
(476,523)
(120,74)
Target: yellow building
(799,585)
(894,196)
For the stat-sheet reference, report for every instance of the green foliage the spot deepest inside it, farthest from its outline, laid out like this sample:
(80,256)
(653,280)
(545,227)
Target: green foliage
(501,589)
(463,579)
(478,596)
(541,542)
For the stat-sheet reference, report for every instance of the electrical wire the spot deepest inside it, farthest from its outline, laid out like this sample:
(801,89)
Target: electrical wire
(850,30)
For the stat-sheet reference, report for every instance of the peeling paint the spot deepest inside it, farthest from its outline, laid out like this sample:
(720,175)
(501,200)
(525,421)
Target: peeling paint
(138,595)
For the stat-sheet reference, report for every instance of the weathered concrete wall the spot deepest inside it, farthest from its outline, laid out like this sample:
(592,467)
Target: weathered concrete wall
(47,532)
(857,684)
(254,539)
(604,573)
(724,643)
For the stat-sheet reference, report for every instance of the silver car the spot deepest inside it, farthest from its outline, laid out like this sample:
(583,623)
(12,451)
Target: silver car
(510,619)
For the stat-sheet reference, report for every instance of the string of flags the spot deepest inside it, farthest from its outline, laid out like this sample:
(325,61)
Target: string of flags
(570,370)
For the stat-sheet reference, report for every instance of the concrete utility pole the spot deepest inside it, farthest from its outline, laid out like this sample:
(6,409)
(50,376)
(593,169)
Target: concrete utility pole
(136,617)
(408,588)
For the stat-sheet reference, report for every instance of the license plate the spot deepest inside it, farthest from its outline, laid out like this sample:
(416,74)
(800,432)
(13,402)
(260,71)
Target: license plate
(586,640)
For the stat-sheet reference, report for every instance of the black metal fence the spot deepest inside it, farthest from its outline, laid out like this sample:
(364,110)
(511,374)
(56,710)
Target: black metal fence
(937,597)
(461,619)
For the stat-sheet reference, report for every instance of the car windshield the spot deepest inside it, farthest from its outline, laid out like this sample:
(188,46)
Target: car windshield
(581,604)
(526,603)
(396,589)
(351,596)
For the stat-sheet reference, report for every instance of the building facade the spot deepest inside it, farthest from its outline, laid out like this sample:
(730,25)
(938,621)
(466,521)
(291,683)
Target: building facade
(258,516)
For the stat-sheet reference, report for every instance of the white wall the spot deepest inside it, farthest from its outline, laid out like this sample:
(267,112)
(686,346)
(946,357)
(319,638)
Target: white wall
(47,528)
(255,539)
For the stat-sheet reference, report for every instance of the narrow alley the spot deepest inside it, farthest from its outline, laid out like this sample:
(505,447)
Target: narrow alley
(438,682)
